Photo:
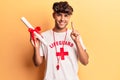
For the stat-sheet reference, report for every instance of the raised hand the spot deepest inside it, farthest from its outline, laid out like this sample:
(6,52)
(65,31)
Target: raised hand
(74,34)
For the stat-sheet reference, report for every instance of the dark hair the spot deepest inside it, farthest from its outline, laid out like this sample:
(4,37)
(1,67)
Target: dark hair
(62,7)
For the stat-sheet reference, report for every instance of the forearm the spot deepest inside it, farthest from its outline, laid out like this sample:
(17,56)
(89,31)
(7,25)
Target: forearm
(82,54)
(36,57)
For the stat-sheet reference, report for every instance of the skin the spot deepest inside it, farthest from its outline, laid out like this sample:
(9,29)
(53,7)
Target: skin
(61,22)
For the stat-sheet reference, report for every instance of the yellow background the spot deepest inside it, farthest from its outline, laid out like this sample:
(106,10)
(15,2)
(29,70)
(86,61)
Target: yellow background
(98,22)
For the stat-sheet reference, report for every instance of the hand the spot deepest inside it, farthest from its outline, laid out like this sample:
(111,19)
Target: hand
(36,43)
(74,34)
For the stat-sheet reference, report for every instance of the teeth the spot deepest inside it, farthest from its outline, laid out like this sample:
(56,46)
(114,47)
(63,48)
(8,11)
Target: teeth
(62,23)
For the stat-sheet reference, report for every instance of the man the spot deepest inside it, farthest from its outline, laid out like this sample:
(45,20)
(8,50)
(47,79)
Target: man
(65,47)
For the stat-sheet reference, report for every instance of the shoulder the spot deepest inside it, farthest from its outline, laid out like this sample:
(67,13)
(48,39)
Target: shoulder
(69,30)
(47,33)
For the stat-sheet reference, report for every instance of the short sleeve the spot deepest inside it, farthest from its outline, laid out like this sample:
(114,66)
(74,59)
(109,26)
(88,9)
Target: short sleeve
(82,44)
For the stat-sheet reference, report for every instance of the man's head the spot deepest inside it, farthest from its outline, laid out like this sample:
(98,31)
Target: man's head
(62,13)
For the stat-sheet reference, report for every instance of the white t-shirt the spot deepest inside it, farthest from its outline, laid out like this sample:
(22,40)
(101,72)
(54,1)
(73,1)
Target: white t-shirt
(68,69)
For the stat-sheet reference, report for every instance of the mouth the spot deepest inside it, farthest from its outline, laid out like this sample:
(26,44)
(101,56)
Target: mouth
(62,23)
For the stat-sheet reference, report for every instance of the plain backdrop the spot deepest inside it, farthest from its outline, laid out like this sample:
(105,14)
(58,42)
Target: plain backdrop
(98,22)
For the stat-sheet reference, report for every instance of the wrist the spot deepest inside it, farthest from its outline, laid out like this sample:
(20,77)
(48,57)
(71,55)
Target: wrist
(76,40)
(36,47)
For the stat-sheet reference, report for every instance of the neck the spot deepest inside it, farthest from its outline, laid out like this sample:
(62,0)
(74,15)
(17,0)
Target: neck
(59,30)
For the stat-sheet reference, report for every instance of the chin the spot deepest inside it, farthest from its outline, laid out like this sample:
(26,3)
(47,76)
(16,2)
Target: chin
(62,27)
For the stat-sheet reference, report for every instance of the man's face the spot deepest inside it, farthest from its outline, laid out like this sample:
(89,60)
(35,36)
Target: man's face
(61,20)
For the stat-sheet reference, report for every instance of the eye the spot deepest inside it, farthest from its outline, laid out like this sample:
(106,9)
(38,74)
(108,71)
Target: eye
(66,15)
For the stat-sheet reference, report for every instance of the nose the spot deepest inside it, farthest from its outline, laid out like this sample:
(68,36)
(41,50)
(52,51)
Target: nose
(62,17)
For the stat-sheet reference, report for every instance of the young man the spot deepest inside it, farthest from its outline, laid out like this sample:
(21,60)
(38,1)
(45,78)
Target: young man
(65,47)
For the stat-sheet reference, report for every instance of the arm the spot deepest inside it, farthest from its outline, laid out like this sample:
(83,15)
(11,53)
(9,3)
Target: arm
(82,54)
(37,59)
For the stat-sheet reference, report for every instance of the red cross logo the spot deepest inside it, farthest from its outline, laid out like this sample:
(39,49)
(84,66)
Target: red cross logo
(62,53)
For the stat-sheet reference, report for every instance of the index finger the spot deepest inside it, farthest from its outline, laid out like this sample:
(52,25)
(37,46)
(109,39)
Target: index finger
(72,26)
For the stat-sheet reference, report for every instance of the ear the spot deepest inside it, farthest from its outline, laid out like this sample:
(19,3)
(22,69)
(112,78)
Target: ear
(53,14)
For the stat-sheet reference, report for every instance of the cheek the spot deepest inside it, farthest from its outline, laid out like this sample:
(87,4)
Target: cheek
(57,18)
(67,20)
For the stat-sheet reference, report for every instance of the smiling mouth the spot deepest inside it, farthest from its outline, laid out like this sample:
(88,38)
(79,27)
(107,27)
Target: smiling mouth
(62,23)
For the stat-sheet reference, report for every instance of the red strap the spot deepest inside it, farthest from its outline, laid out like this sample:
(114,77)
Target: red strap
(37,29)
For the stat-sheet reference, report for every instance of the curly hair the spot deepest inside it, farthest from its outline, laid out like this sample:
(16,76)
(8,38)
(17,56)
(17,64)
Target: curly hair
(62,7)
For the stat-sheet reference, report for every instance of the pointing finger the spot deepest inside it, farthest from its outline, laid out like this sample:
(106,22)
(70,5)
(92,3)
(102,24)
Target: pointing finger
(72,26)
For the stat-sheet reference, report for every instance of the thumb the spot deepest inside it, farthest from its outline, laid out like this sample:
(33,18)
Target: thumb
(32,42)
